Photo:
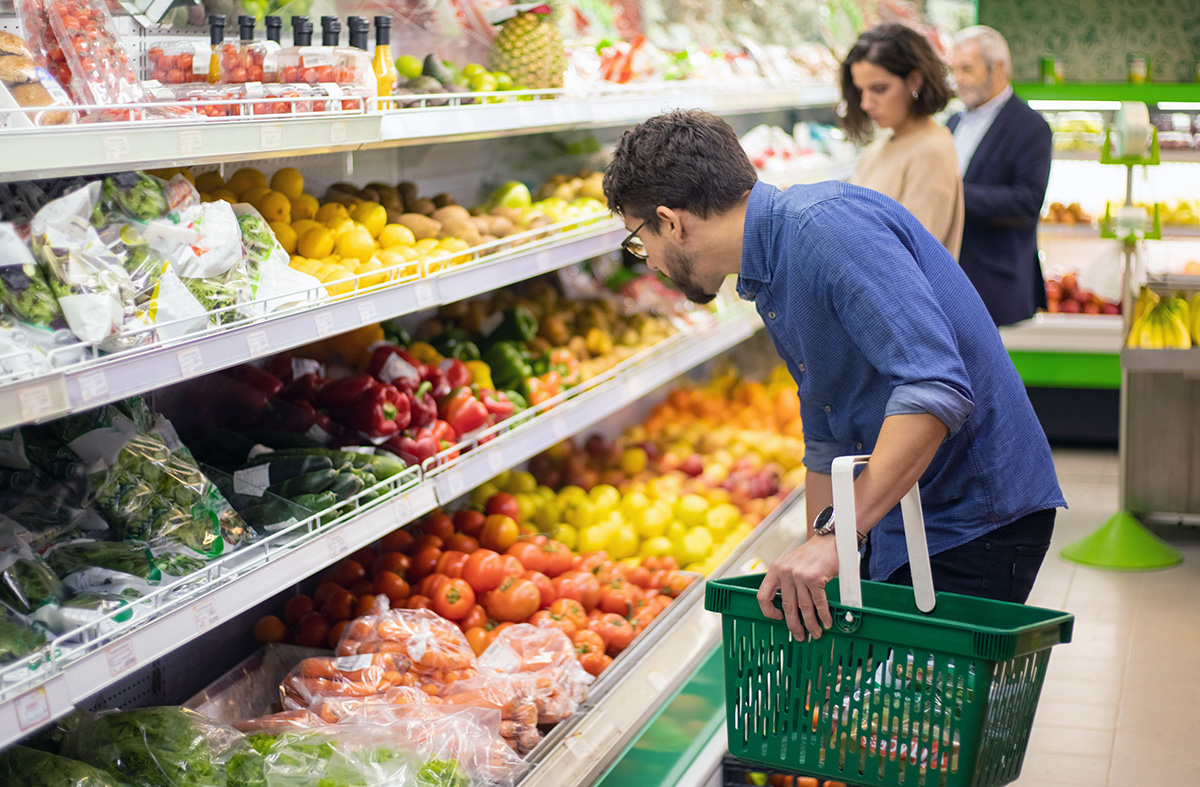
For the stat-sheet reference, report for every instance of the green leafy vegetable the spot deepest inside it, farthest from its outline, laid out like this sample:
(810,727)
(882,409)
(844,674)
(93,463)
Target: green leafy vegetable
(20,765)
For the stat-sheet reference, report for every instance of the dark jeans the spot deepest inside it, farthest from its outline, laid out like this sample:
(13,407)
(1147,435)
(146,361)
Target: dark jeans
(1000,565)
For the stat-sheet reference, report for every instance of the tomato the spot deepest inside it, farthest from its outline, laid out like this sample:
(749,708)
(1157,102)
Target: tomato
(296,608)
(313,630)
(483,571)
(476,617)
(511,566)
(644,617)
(363,587)
(558,558)
(515,600)
(366,604)
(504,504)
(544,586)
(429,585)
(589,588)
(438,524)
(399,540)
(272,629)
(595,663)
(364,557)
(393,586)
(544,618)
(661,602)
(565,588)
(638,575)
(419,602)
(429,540)
(451,563)
(469,522)
(675,583)
(592,561)
(453,599)
(494,631)
(477,638)
(618,596)
(324,591)
(587,641)
(396,562)
(571,610)
(347,573)
(339,606)
(499,532)
(532,557)
(335,633)
(424,563)
(462,543)
(616,631)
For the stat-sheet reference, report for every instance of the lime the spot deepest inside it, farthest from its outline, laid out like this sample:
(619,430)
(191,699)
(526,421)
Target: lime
(483,83)
(409,66)
(503,80)
(471,69)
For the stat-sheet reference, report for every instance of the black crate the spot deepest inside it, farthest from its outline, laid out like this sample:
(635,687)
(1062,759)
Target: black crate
(739,773)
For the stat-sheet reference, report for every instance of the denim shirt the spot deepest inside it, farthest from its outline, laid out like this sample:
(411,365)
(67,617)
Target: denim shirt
(874,318)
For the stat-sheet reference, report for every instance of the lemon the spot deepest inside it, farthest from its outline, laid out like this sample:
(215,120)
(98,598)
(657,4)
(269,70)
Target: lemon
(305,207)
(566,535)
(454,246)
(407,252)
(623,543)
(303,225)
(356,242)
(633,461)
(369,267)
(425,245)
(654,521)
(329,210)
(656,547)
(605,496)
(391,259)
(722,518)
(481,494)
(209,181)
(548,514)
(676,530)
(288,181)
(396,235)
(437,261)
(634,505)
(371,215)
(316,242)
(329,271)
(409,66)
(338,226)
(581,513)
(528,505)
(570,493)
(523,483)
(692,510)
(285,235)
(592,539)
(245,179)
(275,206)
(255,194)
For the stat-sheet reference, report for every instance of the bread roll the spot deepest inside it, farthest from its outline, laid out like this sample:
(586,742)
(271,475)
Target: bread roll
(14,45)
(17,70)
(34,94)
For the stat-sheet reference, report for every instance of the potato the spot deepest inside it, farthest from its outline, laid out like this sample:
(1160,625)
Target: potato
(423,206)
(462,229)
(422,226)
(512,214)
(484,225)
(451,213)
(501,227)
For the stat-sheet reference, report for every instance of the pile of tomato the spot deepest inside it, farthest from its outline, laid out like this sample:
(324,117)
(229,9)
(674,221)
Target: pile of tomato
(177,66)
(485,572)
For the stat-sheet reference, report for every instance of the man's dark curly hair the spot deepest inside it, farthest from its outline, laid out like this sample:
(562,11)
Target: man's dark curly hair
(685,160)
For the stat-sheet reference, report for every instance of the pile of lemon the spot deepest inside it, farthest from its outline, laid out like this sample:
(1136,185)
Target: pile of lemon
(345,249)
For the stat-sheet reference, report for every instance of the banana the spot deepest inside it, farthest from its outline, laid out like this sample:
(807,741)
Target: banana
(1147,299)
(1154,339)
(1194,320)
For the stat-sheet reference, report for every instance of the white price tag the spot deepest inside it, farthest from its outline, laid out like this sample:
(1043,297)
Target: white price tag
(402,509)
(337,132)
(32,709)
(424,295)
(579,746)
(271,136)
(560,427)
(423,499)
(324,321)
(206,614)
(35,402)
(116,147)
(456,483)
(252,481)
(121,657)
(337,545)
(545,261)
(657,680)
(190,142)
(496,459)
(92,385)
(258,343)
(366,312)
(190,361)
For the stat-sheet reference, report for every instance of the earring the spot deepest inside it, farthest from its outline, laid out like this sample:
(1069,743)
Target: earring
(916,95)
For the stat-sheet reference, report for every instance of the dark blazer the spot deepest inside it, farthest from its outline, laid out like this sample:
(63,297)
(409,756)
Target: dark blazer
(1003,190)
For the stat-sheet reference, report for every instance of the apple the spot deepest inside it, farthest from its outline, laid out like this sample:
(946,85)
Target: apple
(1070,306)
(1069,285)
(1091,308)
(1110,308)
(693,465)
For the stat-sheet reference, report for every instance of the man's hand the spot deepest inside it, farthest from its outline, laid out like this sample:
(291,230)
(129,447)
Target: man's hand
(801,576)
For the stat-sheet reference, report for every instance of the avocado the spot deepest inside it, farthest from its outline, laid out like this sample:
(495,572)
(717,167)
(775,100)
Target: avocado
(434,68)
(425,84)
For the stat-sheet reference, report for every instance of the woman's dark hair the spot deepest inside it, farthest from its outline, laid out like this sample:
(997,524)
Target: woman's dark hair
(689,160)
(899,50)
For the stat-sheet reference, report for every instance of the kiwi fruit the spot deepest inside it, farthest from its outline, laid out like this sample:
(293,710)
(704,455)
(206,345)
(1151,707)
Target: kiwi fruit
(442,200)
(423,206)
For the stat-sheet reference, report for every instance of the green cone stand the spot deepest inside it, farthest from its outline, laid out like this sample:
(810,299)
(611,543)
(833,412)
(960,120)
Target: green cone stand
(1123,544)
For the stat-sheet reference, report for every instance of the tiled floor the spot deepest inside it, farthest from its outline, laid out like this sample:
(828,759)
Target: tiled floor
(1121,703)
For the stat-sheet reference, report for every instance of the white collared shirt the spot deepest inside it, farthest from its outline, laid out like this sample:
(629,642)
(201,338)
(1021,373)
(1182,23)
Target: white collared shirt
(973,125)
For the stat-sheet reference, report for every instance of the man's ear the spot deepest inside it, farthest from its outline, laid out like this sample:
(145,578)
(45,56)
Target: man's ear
(670,223)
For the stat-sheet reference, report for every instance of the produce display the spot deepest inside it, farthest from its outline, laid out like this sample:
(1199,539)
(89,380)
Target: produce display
(1067,215)
(1065,296)
(1171,323)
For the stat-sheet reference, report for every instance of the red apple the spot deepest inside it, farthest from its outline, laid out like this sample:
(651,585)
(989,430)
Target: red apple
(1070,306)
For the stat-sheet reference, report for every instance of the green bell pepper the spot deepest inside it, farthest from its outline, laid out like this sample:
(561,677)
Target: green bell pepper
(508,364)
(456,343)
(518,325)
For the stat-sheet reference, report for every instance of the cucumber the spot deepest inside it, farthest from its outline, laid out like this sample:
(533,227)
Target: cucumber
(278,438)
(286,467)
(346,485)
(380,466)
(307,484)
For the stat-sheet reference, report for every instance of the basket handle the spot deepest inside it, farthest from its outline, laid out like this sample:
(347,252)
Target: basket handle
(847,546)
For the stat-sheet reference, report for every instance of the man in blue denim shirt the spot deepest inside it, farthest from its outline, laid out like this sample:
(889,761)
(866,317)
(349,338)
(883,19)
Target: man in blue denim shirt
(893,351)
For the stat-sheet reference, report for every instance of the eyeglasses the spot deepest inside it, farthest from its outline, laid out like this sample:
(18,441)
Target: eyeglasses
(633,244)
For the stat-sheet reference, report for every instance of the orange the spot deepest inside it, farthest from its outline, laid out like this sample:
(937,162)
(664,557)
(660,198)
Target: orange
(245,179)
(255,194)
(209,181)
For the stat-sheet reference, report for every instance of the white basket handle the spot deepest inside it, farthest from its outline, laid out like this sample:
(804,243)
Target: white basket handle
(847,541)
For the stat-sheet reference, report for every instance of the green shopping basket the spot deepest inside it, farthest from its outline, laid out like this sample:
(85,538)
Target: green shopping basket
(890,695)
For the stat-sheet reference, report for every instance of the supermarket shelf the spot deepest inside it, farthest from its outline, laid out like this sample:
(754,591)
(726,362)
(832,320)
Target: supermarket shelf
(1178,156)
(90,384)
(1185,362)
(84,149)
(236,582)
(1151,93)
(1068,333)
(1090,232)
(580,750)
(804,175)
(1171,282)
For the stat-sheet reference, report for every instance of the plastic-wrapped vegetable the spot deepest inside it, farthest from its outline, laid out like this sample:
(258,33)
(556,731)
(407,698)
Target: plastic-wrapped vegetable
(438,650)
(351,676)
(26,582)
(156,747)
(541,662)
(19,637)
(276,285)
(125,558)
(87,614)
(24,290)
(137,195)
(33,768)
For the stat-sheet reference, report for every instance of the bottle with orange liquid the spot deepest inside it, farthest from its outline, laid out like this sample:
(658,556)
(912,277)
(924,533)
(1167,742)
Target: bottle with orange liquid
(384,65)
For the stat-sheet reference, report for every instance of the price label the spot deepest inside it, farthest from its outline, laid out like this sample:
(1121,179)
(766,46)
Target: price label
(271,136)
(560,428)
(206,614)
(337,132)
(324,321)
(455,483)
(579,746)
(35,402)
(92,385)
(258,343)
(424,295)
(116,147)
(496,460)
(657,680)
(337,544)
(402,509)
(366,312)
(190,143)
(423,499)
(190,361)
(545,261)
(32,709)
(121,657)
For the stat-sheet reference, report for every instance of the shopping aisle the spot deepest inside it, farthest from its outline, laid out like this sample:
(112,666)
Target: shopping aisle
(1118,707)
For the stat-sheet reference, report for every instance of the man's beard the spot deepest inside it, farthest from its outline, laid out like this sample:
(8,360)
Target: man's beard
(681,275)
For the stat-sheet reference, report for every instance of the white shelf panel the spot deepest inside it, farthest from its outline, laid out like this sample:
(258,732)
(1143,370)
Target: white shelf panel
(1137,359)
(1088,232)
(87,385)
(233,584)
(1077,333)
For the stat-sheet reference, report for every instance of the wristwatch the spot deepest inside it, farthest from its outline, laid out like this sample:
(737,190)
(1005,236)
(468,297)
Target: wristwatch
(823,525)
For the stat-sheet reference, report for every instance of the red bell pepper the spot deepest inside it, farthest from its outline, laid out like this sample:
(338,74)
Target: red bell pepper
(436,377)
(323,430)
(414,446)
(337,395)
(297,416)
(303,388)
(280,366)
(497,404)
(457,373)
(423,407)
(393,364)
(381,411)
(256,378)
(464,412)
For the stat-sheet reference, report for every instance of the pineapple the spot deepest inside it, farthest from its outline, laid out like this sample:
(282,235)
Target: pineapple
(530,50)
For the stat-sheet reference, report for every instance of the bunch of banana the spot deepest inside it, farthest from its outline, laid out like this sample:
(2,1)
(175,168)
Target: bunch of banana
(1163,325)
(1194,308)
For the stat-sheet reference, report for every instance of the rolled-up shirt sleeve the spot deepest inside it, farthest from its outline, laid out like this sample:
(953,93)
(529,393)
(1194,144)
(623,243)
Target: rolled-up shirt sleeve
(820,448)
(871,281)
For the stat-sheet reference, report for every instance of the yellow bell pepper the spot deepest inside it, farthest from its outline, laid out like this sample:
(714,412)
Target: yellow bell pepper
(355,346)
(424,352)
(481,374)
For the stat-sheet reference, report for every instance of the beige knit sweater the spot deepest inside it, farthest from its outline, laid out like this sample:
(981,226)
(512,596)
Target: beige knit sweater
(920,171)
